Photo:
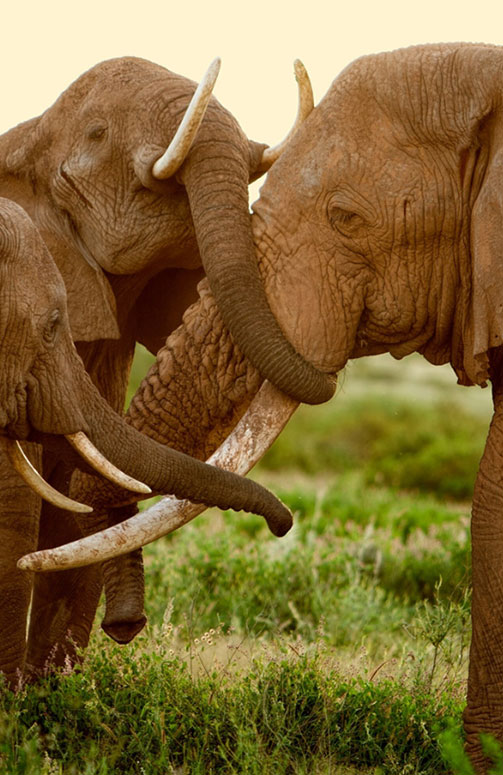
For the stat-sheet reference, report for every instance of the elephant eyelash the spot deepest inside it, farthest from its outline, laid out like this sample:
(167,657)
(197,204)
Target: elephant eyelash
(344,217)
(52,327)
(343,220)
(97,132)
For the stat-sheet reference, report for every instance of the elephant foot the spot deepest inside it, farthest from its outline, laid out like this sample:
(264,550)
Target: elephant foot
(485,719)
(124,629)
(480,762)
(13,681)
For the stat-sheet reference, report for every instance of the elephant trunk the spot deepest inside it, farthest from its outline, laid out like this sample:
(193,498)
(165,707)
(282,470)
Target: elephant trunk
(218,196)
(124,585)
(166,470)
(254,434)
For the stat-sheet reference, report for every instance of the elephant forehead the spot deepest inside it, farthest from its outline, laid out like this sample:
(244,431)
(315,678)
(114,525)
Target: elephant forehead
(428,93)
(18,235)
(116,85)
(125,73)
(334,162)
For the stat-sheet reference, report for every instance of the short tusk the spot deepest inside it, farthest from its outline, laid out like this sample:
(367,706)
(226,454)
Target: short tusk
(176,153)
(251,438)
(33,479)
(91,455)
(306,105)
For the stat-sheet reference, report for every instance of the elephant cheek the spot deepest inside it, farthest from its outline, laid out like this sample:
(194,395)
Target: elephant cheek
(54,406)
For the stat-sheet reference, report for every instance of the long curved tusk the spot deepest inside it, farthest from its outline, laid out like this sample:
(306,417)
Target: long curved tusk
(306,105)
(175,154)
(93,456)
(253,435)
(33,479)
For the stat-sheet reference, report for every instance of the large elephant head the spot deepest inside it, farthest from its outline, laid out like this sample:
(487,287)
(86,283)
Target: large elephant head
(44,388)
(378,230)
(114,187)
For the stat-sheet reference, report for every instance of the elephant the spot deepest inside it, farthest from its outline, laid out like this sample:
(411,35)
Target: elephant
(138,183)
(377,230)
(47,397)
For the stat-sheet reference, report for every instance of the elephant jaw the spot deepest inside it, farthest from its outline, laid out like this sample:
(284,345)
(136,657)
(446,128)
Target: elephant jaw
(267,415)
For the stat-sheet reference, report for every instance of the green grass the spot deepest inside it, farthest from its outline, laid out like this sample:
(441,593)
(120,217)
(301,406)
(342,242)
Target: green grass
(341,648)
(285,715)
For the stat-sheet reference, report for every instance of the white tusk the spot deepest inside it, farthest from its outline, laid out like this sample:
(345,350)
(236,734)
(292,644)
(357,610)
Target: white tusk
(33,479)
(174,156)
(91,455)
(306,105)
(266,417)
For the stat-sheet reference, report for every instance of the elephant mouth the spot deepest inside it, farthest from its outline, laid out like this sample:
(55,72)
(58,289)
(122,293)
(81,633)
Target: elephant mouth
(78,240)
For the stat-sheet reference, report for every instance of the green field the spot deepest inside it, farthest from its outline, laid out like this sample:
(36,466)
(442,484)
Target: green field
(340,648)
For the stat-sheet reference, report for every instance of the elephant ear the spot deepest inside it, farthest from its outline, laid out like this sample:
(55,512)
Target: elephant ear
(484,325)
(91,302)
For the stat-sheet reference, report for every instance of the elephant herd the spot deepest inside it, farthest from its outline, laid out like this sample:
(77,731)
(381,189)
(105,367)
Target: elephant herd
(124,218)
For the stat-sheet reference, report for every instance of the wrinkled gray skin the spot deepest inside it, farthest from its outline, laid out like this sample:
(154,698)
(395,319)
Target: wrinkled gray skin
(46,394)
(131,250)
(378,230)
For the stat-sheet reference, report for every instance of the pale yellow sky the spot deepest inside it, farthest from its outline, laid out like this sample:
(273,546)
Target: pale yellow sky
(45,45)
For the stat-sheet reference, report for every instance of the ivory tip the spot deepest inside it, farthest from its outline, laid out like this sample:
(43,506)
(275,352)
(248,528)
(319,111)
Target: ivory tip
(93,456)
(27,563)
(35,481)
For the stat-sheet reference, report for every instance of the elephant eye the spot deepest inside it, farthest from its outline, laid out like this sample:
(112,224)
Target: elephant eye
(52,326)
(345,221)
(96,132)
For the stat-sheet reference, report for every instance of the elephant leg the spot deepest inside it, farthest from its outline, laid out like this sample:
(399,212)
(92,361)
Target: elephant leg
(63,609)
(484,712)
(64,603)
(19,514)
(123,576)
(109,364)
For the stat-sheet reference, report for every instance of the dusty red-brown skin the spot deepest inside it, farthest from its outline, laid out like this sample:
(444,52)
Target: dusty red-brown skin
(46,393)
(130,250)
(378,230)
